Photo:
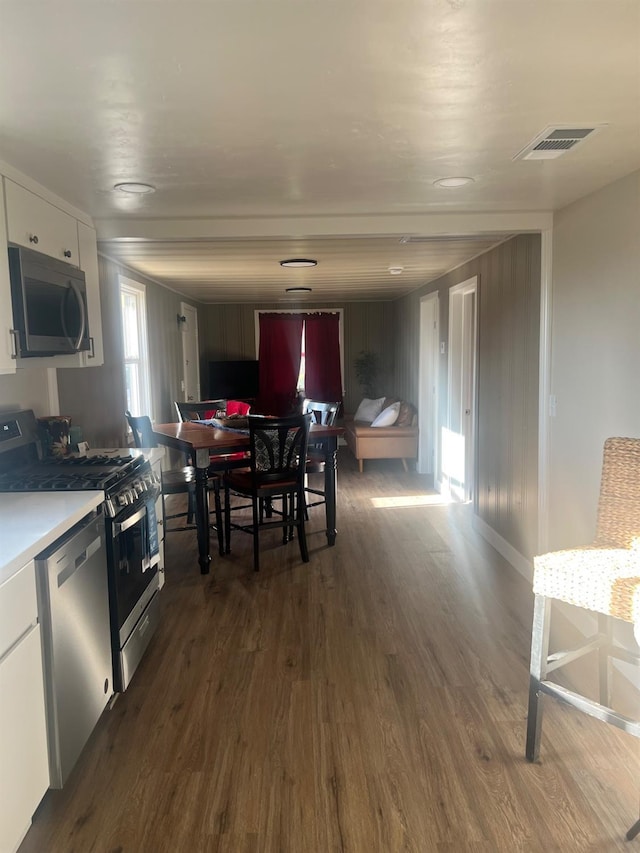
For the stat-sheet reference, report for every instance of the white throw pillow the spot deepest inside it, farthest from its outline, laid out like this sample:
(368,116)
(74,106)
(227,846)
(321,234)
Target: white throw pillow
(388,416)
(368,410)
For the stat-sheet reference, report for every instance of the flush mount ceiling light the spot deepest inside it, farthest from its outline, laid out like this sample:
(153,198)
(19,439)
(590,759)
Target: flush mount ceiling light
(298,290)
(134,188)
(453,182)
(396,270)
(296,263)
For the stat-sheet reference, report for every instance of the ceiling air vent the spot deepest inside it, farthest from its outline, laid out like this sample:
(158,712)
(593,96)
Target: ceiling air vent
(555,141)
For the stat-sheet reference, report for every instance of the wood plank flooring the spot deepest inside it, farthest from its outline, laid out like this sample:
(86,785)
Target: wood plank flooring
(371,701)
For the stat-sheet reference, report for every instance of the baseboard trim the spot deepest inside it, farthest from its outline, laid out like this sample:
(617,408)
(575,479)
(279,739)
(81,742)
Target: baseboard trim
(511,554)
(581,620)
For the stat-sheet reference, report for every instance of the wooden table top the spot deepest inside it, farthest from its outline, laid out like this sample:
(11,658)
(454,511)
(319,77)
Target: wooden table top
(194,436)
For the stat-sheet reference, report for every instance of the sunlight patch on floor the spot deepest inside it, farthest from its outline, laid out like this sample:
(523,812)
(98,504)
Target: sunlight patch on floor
(410,501)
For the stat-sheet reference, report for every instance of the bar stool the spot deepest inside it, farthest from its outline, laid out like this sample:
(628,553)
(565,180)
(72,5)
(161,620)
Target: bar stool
(604,578)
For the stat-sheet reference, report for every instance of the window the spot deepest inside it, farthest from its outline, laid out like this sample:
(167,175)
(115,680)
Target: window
(299,353)
(301,376)
(136,354)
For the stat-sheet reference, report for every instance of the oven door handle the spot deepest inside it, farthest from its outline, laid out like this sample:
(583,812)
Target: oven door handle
(120,526)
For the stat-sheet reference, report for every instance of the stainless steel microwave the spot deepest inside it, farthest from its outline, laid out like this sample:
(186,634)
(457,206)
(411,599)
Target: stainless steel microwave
(49,300)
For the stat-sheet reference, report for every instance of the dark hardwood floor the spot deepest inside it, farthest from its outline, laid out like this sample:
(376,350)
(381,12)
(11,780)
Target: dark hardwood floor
(371,701)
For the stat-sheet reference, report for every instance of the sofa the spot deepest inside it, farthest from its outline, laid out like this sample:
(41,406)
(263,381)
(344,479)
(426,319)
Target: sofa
(398,440)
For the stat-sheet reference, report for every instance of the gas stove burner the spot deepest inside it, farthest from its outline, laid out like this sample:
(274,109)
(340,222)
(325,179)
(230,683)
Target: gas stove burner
(101,460)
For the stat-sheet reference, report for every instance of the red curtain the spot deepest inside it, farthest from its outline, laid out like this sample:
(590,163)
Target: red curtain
(279,357)
(323,380)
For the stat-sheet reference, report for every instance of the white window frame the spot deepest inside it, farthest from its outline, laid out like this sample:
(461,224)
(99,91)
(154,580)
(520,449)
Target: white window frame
(138,291)
(303,312)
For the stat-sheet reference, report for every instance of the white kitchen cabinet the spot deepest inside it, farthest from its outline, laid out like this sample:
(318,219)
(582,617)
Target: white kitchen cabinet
(59,235)
(23,735)
(88,247)
(39,225)
(7,343)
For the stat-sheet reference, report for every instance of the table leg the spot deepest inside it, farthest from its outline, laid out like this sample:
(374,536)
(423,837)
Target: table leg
(330,486)
(202,510)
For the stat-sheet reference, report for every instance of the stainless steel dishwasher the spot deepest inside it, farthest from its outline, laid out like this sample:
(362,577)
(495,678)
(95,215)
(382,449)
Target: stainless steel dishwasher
(73,604)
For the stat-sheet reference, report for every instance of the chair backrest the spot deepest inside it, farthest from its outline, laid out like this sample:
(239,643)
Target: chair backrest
(201,410)
(141,429)
(278,448)
(238,407)
(321,412)
(619,502)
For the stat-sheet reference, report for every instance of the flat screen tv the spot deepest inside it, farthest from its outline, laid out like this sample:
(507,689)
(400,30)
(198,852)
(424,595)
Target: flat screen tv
(233,380)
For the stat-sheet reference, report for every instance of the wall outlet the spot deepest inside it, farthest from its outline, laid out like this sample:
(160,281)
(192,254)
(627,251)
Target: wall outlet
(552,405)
(443,348)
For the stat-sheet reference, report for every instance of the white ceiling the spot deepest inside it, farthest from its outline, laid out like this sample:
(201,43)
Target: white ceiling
(275,128)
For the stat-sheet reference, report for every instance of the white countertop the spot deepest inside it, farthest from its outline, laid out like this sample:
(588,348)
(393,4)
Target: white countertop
(31,521)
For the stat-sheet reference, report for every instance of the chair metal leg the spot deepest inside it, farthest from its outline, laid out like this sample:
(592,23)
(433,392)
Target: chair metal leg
(635,829)
(605,628)
(537,673)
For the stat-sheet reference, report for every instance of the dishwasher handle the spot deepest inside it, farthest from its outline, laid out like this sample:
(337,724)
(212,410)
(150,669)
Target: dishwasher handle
(71,566)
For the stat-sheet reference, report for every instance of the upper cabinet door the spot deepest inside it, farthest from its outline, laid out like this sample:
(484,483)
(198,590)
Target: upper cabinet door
(38,225)
(89,264)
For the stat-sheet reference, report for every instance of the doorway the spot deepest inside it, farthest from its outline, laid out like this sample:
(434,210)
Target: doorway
(190,353)
(428,386)
(458,441)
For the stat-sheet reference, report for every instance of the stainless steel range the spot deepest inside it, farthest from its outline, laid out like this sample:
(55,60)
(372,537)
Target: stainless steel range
(131,489)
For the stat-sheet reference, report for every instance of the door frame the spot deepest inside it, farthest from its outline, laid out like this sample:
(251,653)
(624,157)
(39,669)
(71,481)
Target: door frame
(463,352)
(428,385)
(186,327)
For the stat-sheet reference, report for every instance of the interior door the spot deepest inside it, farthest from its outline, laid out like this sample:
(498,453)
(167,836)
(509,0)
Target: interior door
(190,353)
(458,445)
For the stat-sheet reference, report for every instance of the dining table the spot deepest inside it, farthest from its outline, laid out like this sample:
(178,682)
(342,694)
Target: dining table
(203,440)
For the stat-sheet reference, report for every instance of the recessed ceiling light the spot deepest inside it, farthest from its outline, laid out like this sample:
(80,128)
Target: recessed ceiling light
(453,182)
(396,270)
(298,290)
(135,188)
(298,262)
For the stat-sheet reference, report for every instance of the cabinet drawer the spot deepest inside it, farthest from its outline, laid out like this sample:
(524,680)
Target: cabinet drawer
(18,606)
(38,225)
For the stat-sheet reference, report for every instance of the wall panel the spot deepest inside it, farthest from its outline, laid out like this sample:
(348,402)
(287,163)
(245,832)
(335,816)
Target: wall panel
(508,347)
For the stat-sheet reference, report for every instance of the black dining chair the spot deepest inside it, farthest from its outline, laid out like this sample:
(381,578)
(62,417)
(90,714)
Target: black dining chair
(179,481)
(324,413)
(278,448)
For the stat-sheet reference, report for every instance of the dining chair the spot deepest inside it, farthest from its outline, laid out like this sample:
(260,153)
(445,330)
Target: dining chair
(178,482)
(278,448)
(200,410)
(205,410)
(604,578)
(324,413)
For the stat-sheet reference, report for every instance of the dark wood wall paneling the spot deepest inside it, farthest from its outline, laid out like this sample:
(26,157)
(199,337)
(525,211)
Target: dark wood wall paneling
(228,332)
(95,397)
(508,355)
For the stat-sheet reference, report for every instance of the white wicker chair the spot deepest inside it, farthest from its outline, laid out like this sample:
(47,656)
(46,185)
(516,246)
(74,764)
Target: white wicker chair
(604,578)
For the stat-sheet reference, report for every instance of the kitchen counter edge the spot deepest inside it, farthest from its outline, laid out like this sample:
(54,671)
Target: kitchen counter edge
(31,521)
